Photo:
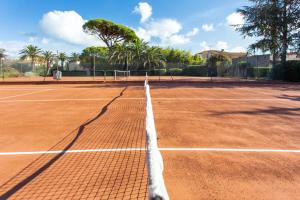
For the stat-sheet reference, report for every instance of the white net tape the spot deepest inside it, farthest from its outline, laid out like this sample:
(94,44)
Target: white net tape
(157,188)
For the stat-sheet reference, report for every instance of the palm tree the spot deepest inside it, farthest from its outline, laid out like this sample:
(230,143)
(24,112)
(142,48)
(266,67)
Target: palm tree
(62,57)
(31,52)
(139,48)
(75,57)
(48,57)
(122,54)
(152,57)
(2,55)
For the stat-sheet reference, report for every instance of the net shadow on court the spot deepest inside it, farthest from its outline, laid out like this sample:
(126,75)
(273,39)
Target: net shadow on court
(91,175)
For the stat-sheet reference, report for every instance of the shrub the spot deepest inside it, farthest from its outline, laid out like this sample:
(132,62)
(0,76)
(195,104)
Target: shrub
(289,72)
(30,74)
(258,72)
(158,72)
(196,70)
(75,73)
(174,71)
(11,72)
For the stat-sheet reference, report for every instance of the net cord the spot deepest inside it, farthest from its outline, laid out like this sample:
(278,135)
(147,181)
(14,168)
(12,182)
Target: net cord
(157,188)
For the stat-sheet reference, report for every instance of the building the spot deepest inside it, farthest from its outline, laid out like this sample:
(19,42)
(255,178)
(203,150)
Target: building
(262,60)
(232,55)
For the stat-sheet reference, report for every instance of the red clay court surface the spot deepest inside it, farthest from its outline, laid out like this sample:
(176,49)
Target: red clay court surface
(213,138)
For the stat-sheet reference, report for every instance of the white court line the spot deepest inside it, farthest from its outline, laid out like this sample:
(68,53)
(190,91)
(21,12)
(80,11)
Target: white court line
(65,88)
(161,149)
(233,150)
(211,99)
(59,100)
(133,98)
(70,151)
(20,95)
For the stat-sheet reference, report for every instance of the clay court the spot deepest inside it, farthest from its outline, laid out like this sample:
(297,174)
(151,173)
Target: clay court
(225,139)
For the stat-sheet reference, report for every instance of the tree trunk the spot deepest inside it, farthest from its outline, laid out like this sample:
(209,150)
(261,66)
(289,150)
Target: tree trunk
(284,35)
(274,60)
(32,65)
(47,71)
(126,65)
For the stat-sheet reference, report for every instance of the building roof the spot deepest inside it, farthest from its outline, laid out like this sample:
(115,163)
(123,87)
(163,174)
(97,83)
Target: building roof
(231,55)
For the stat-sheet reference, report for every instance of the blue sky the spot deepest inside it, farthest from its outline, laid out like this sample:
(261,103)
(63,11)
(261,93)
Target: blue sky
(193,25)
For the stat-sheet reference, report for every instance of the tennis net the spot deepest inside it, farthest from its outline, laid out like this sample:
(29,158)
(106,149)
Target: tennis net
(121,74)
(157,188)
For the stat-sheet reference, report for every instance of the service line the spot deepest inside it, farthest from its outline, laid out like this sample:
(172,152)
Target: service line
(59,100)
(212,99)
(20,95)
(161,149)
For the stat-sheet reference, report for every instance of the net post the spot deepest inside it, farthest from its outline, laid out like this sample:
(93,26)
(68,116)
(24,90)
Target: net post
(115,71)
(104,75)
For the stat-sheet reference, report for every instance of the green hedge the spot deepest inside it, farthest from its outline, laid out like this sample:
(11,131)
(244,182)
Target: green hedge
(259,72)
(289,72)
(195,71)
(11,72)
(174,71)
(74,73)
(158,72)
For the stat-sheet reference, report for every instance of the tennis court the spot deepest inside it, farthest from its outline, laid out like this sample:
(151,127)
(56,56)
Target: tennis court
(219,140)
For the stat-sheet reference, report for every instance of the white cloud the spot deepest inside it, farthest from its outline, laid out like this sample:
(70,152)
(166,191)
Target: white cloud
(238,49)
(235,19)
(67,26)
(32,39)
(12,48)
(208,27)
(163,28)
(221,45)
(175,40)
(166,30)
(145,10)
(45,41)
(192,32)
(204,46)
(143,34)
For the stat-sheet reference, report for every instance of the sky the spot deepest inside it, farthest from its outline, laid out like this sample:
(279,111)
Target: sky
(56,25)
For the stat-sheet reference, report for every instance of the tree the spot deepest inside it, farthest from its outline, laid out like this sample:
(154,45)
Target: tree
(75,57)
(62,57)
(2,53)
(152,57)
(216,60)
(32,52)
(139,48)
(48,56)
(122,54)
(275,22)
(100,53)
(289,26)
(109,32)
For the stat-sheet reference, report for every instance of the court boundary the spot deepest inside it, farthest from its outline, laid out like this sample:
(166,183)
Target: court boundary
(7,100)
(245,150)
